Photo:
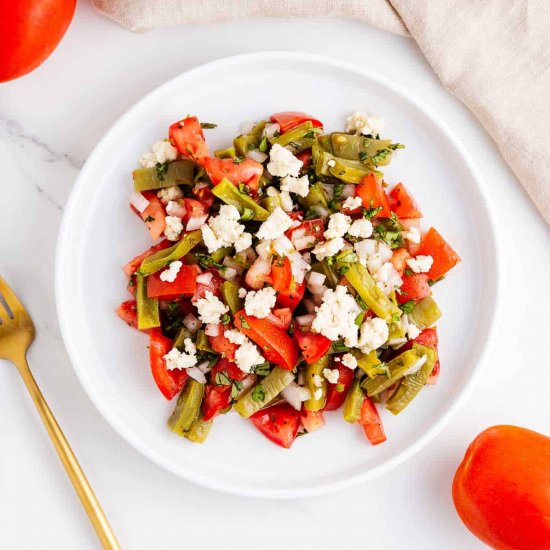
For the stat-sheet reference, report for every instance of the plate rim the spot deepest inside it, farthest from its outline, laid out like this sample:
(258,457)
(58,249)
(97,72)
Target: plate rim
(105,410)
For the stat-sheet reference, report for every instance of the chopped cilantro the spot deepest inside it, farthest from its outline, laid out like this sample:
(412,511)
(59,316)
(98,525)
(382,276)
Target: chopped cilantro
(208,125)
(236,388)
(238,160)
(244,322)
(258,393)
(247,214)
(161,170)
(243,188)
(149,219)
(225,318)
(407,307)
(222,379)
(262,370)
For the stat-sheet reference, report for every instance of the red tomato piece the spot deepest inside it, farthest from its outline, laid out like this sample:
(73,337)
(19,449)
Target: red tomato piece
(336,393)
(292,297)
(305,157)
(309,228)
(279,423)
(169,382)
(188,138)
(213,286)
(277,345)
(154,215)
(222,345)
(229,369)
(193,209)
(312,420)
(131,267)
(399,260)
(127,311)
(283,316)
(185,284)
(404,204)
(415,287)
(445,258)
(204,195)
(313,345)
(281,273)
(290,119)
(247,171)
(373,195)
(372,425)
(216,399)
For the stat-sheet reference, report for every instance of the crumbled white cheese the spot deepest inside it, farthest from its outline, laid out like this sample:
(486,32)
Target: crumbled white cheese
(235,337)
(283,163)
(317,381)
(259,303)
(275,225)
(167,194)
(352,203)
(300,186)
(318,393)
(338,225)
(331,163)
(413,331)
(331,375)
(210,308)
(420,264)
(176,359)
(373,334)
(363,123)
(349,360)
(171,272)
(161,152)
(373,254)
(225,230)
(335,317)
(173,228)
(328,248)
(286,201)
(387,278)
(282,246)
(413,235)
(242,292)
(361,228)
(247,356)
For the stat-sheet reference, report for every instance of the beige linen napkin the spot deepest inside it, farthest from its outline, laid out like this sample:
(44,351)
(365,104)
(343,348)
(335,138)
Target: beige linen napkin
(494,55)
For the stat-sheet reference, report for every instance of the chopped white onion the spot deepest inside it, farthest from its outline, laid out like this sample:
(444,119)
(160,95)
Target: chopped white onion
(247,127)
(139,202)
(298,234)
(304,242)
(257,155)
(195,223)
(396,341)
(175,209)
(212,329)
(329,190)
(277,321)
(295,395)
(230,264)
(250,254)
(305,320)
(270,130)
(307,257)
(415,367)
(191,323)
(348,191)
(316,279)
(256,275)
(322,211)
(203,367)
(309,304)
(204,278)
(200,185)
(196,374)
(229,274)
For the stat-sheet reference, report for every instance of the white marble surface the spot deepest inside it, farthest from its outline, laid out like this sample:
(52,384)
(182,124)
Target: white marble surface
(49,122)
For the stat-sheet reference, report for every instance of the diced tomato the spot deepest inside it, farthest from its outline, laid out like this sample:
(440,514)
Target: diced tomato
(428,338)
(445,258)
(308,228)
(404,204)
(154,215)
(352,211)
(216,399)
(222,345)
(290,119)
(415,287)
(213,286)
(127,311)
(407,224)
(229,369)
(372,425)
(247,171)
(204,195)
(193,209)
(169,382)
(373,195)
(188,138)
(313,345)
(335,398)
(131,267)
(277,345)
(305,157)
(185,284)
(312,420)
(292,297)
(283,316)
(399,260)
(279,423)
(281,274)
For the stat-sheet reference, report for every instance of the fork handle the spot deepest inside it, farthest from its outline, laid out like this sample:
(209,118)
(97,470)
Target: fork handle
(70,463)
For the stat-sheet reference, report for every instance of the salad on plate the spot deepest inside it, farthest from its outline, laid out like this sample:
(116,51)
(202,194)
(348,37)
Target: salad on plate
(286,278)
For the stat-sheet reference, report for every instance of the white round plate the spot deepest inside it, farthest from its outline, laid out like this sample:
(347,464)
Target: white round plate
(99,234)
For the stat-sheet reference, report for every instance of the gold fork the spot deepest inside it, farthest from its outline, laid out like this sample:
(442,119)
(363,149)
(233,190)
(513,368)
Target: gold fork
(16,336)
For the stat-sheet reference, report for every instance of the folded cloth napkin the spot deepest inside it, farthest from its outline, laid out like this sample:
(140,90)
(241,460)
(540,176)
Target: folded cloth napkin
(494,55)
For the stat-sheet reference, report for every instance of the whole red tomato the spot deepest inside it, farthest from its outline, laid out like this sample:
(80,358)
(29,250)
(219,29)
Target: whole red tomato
(501,490)
(30,31)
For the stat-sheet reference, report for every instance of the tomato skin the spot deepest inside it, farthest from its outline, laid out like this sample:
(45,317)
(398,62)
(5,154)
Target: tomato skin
(154,215)
(501,489)
(248,171)
(30,31)
(305,157)
(281,273)
(222,345)
(193,209)
(312,228)
(216,399)
(372,194)
(277,346)
(313,345)
(204,195)
(335,398)
(169,382)
(371,423)
(127,311)
(213,286)
(131,267)
(404,204)
(399,260)
(292,297)
(284,318)
(415,287)
(185,284)
(312,420)
(445,258)
(188,138)
(279,423)
(289,119)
